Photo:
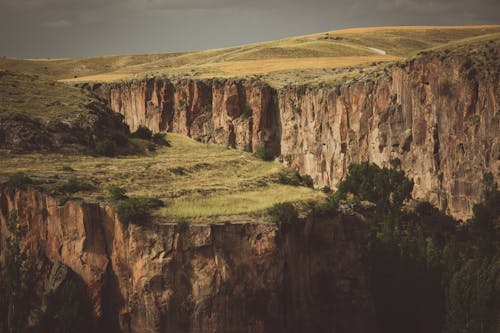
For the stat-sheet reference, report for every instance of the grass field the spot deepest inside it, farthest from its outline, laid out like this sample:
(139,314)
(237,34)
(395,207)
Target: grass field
(334,49)
(40,98)
(193,179)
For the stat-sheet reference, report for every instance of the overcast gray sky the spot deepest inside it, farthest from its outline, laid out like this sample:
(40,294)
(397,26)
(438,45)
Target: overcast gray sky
(71,28)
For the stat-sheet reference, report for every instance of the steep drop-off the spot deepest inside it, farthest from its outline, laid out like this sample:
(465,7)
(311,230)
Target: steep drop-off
(436,116)
(306,277)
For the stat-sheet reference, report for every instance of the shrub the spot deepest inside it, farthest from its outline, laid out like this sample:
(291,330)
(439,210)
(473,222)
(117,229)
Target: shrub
(326,189)
(160,139)
(18,181)
(105,148)
(395,162)
(388,188)
(292,177)
(471,74)
(182,225)
(73,185)
(151,147)
(247,112)
(307,181)
(328,207)
(289,177)
(136,210)
(264,154)
(283,213)
(117,192)
(12,223)
(120,139)
(142,133)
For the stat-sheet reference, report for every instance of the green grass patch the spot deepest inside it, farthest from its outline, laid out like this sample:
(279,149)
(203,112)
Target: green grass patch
(193,179)
(137,210)
(237,203)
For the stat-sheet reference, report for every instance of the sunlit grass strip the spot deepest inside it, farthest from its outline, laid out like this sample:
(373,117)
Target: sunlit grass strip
(237,203)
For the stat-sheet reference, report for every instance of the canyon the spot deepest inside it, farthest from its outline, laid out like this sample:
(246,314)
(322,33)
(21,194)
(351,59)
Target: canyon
(435,116)
(243,277)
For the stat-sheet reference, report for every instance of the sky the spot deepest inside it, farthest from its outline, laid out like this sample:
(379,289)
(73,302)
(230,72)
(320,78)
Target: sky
(80,28)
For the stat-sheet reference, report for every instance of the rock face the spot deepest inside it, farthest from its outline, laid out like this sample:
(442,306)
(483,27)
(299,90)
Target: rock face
(237,113)
(436,117)
(306,277)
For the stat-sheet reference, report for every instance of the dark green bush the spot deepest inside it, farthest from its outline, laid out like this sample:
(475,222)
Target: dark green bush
(292,177)
(73,185)
(160,139)
(105,147)
(247,112)
(182,225)
(151,147)
(142,133)
(263,153)
(18,181)
(120,139)
(136,210)
(471,74)
(387,188)
(117,192)
(289,177)
(284,212)
(326,189)
(328,207)
(307,181)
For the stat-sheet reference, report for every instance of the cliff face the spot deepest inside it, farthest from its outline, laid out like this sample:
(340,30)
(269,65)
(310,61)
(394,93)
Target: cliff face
(305,277)
(237,113)
(436,117)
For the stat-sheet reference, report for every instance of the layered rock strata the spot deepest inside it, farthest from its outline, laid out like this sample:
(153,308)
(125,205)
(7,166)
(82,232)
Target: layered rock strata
(255,277)
(437,117)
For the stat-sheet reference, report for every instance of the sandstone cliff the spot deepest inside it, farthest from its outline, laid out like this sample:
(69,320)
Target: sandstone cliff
(435,116)
(306,277)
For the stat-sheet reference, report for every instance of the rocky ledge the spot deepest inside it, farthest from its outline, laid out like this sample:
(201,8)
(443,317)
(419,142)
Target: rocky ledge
(311,276)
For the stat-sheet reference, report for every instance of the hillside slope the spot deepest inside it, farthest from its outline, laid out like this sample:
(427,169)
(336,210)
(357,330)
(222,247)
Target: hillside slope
(334,49)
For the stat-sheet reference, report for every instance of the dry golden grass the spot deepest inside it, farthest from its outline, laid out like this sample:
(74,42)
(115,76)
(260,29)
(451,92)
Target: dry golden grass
(252,67)
(40,98)
(290,54)
(363,30)
(193,179)
(107,77)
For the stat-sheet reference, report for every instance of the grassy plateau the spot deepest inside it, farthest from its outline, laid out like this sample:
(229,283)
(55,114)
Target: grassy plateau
(194,180)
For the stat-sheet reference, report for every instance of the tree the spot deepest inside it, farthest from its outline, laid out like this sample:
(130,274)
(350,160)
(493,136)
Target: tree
(388,188)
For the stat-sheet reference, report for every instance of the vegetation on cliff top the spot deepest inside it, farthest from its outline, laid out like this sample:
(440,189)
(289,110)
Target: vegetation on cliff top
(194,180)
(32,95)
